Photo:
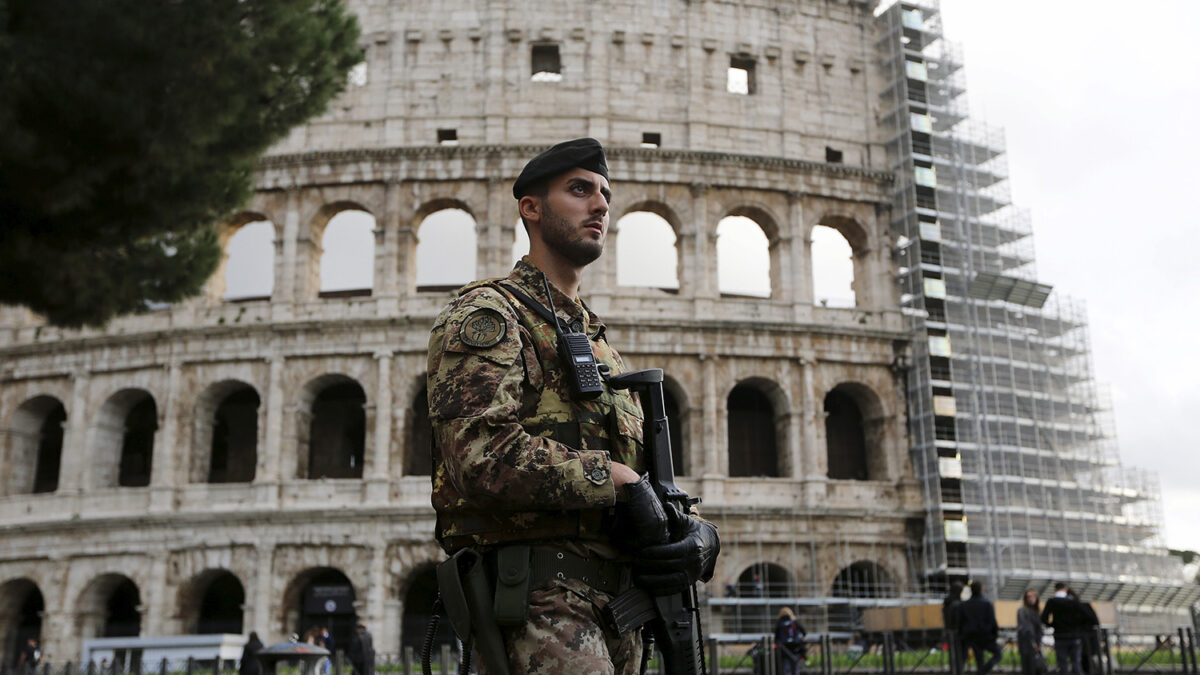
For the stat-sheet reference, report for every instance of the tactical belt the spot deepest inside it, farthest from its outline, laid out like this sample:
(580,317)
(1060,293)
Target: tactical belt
(548,563)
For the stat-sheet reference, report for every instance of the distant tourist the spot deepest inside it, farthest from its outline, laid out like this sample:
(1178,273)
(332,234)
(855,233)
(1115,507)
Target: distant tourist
(1070,622)
(29,658)
(249,664)
(979,628)
(1029,635)
(362,651)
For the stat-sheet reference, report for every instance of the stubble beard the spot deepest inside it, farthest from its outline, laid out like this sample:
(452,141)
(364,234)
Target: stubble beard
(566,240)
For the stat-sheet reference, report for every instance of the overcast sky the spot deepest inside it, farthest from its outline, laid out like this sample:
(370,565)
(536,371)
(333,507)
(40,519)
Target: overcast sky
(1099,101)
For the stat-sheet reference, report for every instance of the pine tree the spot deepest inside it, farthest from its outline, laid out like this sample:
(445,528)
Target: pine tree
(128,128)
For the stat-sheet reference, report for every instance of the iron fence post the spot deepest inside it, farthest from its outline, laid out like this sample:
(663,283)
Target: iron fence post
(714,656)
(826,654)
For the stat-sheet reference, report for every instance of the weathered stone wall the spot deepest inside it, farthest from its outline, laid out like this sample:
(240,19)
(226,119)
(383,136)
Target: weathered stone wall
(628,68)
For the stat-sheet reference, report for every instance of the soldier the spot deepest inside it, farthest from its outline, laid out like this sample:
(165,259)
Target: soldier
(521,465)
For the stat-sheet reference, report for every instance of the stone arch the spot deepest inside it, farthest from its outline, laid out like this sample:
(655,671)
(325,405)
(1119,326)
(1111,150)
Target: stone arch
(445,253)
(418,437)
(748,256)
(647,246)
(678,411)
(420,590)
(123,439)
(347,250)
(520,245)
(21,609)
(756,428)
(246,241)
(832,266)
(864,579)
(212,602)
(332,430)
(761,580)
(35,444)
(858,237)
(226,433)
(854,433)
(110,606)
(321,596)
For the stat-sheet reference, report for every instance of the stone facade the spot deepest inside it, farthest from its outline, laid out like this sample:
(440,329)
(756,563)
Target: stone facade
(627,69)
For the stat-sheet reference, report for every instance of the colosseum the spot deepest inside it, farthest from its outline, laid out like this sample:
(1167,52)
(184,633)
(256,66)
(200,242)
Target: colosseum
(222,464)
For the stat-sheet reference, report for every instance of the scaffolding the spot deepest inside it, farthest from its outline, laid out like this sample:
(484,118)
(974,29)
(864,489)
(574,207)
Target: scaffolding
(1011,440)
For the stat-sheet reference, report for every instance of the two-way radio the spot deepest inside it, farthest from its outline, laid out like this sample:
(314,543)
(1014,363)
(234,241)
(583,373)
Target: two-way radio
(575,354)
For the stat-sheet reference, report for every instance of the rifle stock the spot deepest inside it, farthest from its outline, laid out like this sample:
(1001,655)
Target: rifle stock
(676,626)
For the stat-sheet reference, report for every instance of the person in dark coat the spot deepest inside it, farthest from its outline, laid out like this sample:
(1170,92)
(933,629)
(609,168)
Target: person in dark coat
(1029,635)
(789,642)
(951,617)
(249,664)
(362,651)
(979,628)
(1070,622)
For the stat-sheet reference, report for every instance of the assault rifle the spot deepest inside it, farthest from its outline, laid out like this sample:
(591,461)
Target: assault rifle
(674,620)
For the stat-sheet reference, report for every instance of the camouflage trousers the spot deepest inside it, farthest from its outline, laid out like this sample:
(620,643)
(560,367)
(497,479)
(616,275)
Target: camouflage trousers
(565,634)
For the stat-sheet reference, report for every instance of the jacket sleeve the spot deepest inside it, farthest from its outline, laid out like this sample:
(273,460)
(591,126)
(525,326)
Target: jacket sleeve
(475,401)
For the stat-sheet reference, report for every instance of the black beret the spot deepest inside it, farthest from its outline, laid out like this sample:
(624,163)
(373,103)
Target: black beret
(583,153)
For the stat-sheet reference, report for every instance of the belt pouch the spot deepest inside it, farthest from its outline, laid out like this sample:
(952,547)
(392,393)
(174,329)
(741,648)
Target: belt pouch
(471,583)
(512,585)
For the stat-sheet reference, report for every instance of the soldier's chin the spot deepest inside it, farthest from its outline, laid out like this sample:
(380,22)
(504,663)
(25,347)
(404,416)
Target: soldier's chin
(583,252)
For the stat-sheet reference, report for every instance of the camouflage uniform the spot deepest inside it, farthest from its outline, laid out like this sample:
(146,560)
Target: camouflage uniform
(519,461)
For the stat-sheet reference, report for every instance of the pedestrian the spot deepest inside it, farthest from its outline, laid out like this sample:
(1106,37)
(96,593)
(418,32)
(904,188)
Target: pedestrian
(1029,635)
(362,651)
(530,468)
(249,664)
(789,642)
(30,656)
(1070,621)
(951,618)
(979,628)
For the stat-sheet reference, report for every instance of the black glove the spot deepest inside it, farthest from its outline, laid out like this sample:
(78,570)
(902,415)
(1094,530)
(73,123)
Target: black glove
(641,520)
(667,569)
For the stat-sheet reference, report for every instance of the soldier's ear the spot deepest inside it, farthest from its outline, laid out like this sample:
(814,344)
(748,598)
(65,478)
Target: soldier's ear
(530,208)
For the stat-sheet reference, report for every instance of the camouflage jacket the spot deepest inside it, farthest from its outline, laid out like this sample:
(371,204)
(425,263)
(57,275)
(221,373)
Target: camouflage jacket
(515,458)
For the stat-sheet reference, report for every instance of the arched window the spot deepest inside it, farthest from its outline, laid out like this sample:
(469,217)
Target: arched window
(218,603)
(675,425)
(520,247)
(338,432)
(110,606)
(250,262)
(832,268)
(321,597)
(21,619)
(845,441)
(855,430)
(419,461)
(756,585)
(235,438)
(646,253)
(446,250)
(743,258)
(752,433)
(864,579)
(35,446)
(418,599)
(122,613)
(348,254)
(137,446)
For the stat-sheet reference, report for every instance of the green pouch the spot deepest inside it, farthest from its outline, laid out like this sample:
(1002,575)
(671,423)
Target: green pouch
(512,585)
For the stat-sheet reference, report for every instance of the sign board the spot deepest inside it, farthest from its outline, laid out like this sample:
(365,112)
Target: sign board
(329,600)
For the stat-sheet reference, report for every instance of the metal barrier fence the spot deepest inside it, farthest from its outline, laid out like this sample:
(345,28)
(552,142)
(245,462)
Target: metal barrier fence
(1106,653)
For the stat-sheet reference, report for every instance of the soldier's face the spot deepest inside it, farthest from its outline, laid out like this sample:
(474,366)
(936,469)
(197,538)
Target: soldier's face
(574,216)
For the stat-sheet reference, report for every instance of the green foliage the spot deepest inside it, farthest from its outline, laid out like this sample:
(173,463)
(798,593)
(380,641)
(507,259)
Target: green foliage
(130,127)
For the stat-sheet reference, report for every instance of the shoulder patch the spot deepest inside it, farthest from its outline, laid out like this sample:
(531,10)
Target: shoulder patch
(484,327)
